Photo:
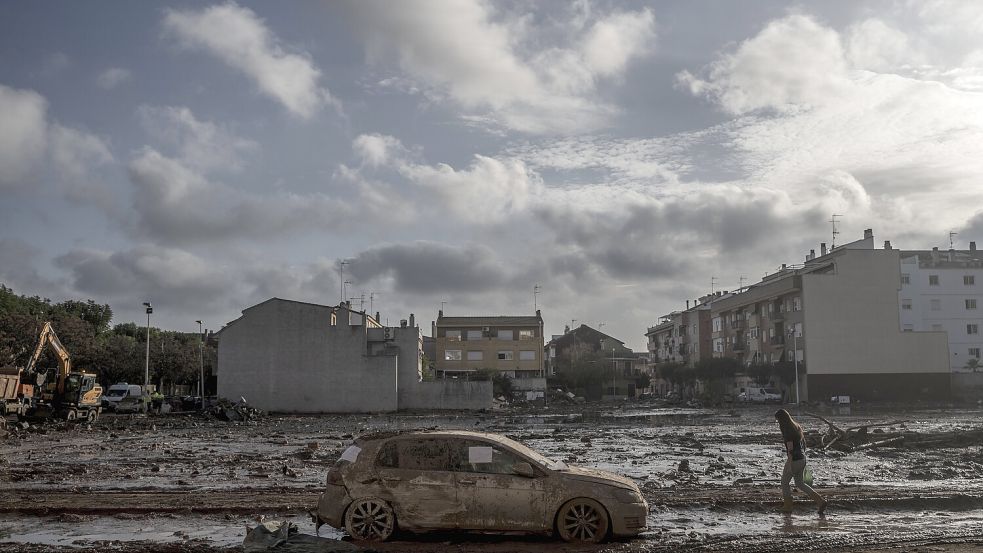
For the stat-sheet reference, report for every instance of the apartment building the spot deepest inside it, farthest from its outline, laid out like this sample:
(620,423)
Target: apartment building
(682,336)
(942,291)
(615,371)
(837,314)
(510,345)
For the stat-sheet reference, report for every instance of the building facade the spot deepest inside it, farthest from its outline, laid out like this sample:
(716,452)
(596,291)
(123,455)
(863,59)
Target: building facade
(290,356)
(682,336)
(617,367)
(837,316)
(942,291)
(507,345)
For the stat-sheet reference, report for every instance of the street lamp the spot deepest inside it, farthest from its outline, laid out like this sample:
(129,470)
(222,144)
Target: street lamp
(201,365)
(146,369)
(795,356)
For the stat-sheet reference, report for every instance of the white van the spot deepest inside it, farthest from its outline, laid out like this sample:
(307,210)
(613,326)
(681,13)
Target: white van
(123,398)
(760,395)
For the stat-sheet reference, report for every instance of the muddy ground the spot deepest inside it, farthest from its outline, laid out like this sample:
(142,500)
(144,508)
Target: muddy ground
(182,483)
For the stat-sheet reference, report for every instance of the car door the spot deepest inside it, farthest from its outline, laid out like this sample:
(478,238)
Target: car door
(416,475)
(494,496)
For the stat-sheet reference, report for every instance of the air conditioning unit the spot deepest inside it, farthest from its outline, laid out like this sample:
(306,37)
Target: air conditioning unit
(387,333)
(486,329)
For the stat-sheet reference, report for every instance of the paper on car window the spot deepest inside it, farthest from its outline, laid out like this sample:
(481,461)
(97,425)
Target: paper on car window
(477,455)
(351,454)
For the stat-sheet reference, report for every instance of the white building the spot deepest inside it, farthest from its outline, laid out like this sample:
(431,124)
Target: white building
(943,291)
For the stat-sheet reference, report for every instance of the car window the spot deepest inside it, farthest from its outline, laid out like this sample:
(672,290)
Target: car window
(481,457)
(423,454)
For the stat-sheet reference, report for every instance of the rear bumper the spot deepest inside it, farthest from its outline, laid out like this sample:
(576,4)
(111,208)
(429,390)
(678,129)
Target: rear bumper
(332,504)
(629,519)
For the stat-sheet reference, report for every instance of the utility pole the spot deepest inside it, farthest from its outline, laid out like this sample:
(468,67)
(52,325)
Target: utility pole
(201,364)
(795,356)
(146,368)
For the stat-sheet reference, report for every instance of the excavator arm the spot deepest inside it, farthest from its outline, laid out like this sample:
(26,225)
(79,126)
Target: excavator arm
(50,339)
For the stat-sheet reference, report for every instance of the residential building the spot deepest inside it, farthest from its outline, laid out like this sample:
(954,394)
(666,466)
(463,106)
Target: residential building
(615,364)
(837,316)
(943,291)
(290,356)
(507,345)
(682,336)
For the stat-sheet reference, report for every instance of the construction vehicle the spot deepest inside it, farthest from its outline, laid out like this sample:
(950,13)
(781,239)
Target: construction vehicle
(52,393)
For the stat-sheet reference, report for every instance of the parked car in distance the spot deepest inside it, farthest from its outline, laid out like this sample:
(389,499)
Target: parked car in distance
(760,395)
(123,397)
(460,480)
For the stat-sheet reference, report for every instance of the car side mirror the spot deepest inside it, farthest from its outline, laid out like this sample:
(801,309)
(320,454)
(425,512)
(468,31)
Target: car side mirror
(523,469)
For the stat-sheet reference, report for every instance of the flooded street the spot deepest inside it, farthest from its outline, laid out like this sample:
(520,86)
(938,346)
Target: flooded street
(711,477)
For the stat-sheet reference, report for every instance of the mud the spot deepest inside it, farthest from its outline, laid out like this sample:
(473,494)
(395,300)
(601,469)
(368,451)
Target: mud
(182,483)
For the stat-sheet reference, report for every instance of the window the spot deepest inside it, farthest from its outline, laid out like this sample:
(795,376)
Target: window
(527,355)
(716,324)
(506,335)
(936,305)
(505,356)
(480,457)
(905,279)
(718,345)
(791,355)
(474,335)
(969,280)
(974,352)
(415,455)
(933,280)
(754,332)
(453,335)
(476,355)
(452,355)
(970,304)
(972,329)
(796,304)
(908,328)
(906,304)
(527,334)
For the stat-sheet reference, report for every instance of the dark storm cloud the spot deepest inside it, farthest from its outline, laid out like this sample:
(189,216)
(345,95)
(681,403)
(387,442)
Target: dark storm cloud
(429,267)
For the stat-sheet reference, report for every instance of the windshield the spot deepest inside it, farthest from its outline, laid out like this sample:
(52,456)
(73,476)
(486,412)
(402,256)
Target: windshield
(116,393)
(536,456)
(771,391)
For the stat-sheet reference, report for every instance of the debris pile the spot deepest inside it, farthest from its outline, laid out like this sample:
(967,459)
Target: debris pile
(226,410)
(891,434)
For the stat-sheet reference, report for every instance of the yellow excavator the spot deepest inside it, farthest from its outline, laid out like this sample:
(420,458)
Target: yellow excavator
(52,393)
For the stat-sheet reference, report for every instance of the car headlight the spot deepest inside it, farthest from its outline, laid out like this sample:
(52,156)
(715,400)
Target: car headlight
(627,496)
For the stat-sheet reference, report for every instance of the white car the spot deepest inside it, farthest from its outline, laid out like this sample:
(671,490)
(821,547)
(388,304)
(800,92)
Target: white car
(760,395)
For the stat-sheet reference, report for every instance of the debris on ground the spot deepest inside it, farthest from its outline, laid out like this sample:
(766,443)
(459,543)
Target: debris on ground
(890,434)
(239,411)
(282,536)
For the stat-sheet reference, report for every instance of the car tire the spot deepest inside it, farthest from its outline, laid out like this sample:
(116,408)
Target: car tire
(582,520)
(370,520)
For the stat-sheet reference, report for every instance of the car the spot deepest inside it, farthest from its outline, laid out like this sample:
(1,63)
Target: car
(422,481)
(760,395)
(123,397)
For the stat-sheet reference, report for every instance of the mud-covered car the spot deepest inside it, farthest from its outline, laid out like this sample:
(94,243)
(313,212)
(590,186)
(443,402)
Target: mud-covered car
(458,480)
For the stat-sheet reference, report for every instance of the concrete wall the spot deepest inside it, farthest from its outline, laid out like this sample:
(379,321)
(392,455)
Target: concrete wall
(851,322)
(285,356)
(967,386)
(448,394)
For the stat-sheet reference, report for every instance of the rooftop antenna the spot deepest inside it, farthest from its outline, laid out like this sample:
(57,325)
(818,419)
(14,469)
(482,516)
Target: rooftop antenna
(832,220)
(341,277)
(344,288)
(952,234)
(535,297)
(372,302)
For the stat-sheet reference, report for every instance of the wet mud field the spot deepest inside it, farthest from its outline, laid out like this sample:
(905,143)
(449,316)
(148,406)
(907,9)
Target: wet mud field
(183,483)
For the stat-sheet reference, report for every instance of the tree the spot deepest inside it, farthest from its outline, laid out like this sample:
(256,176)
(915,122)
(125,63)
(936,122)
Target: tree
(502,385)
(643,381)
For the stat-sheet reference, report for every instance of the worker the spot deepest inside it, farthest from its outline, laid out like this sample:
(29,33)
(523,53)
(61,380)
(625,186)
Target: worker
(156,401)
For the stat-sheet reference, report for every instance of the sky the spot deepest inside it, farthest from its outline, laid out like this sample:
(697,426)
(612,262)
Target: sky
(622,156)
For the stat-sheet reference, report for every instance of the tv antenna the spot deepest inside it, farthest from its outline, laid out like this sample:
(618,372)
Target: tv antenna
(832,221)
(372,302)
(952,234)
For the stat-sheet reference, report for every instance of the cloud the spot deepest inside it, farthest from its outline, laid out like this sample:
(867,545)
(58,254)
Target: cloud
(113,77)
(495,66)
(23,134)
(874,45)
(240,39)
(199,144)
(794,62)
(75,153)
(376,149)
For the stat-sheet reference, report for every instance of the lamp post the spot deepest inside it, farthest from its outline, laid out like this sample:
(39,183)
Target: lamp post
(201,365)
(146,368)
(795,357)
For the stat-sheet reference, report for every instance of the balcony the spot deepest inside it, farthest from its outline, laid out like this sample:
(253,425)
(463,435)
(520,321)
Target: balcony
(777,340)
(738,346)
(737,325)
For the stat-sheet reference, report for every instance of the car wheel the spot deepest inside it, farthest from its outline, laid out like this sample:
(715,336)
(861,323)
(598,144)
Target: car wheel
(370,520)
(583,520)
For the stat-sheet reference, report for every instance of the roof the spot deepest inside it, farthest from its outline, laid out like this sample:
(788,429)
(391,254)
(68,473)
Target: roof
(582,329)
(501,320)
(329,307)
(384,435)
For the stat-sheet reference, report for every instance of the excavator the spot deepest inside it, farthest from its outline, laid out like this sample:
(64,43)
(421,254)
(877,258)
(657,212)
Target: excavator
(61,393)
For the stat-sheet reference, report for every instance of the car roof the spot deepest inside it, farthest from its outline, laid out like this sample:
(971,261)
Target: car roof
(376,436)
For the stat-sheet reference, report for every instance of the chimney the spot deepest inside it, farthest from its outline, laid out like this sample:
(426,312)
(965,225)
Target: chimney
(822,248)
(784,266)
(402,323)
(887,244)
(412,320)
(951,255)
(935,255)
(972,246)
(440,314)
(868,233)
(377,319)
(539,313)
(566,329)
(687,304)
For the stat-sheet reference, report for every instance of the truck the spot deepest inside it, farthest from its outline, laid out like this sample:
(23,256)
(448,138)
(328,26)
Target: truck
(760,395)
(63,393)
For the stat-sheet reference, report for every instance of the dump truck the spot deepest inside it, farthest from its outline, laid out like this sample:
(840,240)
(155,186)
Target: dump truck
(29,392)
